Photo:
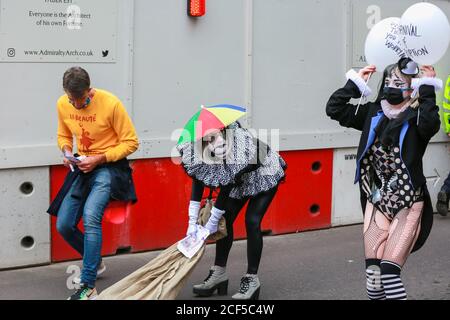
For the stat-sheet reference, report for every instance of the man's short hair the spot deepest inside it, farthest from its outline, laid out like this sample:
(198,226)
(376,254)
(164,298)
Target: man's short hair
(76,81)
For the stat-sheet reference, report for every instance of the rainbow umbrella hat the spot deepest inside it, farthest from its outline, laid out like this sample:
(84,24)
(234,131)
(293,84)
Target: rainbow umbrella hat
(209,119)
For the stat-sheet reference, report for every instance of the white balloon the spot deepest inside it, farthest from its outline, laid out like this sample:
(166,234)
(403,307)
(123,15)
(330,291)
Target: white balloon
(383,44)
(426,33)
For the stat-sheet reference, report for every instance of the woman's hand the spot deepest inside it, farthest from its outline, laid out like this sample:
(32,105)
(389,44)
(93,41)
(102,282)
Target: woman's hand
(367,71)
(427,72)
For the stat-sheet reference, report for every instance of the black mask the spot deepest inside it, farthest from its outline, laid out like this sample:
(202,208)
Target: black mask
(393,95)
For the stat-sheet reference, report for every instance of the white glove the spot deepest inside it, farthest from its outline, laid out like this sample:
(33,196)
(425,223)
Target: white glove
(360,82)
(194,210)
(213,223)
(417,82)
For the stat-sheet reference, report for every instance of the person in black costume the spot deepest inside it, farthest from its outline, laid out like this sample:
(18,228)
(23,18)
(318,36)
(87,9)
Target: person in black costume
(396,130)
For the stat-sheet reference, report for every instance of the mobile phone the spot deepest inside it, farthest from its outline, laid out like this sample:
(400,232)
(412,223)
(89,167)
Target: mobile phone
(72,159)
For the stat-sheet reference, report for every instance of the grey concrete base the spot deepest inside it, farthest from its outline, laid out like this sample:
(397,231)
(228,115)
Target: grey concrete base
(24,223)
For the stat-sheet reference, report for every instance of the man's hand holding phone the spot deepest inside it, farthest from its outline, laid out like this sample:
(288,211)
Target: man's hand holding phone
(85,164)
(69,159)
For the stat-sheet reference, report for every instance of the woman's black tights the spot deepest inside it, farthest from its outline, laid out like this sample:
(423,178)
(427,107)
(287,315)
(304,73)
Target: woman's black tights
(257,208)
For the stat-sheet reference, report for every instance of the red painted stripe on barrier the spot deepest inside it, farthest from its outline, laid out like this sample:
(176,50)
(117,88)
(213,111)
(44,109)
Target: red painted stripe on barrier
(304,201)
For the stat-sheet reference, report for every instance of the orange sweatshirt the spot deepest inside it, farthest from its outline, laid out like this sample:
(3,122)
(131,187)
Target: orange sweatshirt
(103,127)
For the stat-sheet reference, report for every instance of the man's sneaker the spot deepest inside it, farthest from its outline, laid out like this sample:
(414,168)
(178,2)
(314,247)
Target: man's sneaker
(216,280)
(101,269)
(442,203)
(249,289)
(84,293)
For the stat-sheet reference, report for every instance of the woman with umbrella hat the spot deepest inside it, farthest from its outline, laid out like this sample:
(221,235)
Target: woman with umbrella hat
(218,153)
(396,130)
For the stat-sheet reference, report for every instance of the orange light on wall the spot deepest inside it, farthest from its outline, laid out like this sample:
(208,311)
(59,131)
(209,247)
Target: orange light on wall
(196,8)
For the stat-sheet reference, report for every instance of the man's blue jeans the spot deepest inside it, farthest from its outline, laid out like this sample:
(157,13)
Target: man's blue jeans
(91,209)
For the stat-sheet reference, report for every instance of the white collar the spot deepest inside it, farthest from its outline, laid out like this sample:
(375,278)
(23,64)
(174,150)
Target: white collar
(392,112)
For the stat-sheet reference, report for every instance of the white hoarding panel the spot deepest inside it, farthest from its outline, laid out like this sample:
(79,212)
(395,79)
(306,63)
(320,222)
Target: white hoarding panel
(346,204)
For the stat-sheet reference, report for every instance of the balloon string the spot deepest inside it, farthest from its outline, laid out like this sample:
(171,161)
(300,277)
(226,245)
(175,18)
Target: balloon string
(362,95)
(418,116)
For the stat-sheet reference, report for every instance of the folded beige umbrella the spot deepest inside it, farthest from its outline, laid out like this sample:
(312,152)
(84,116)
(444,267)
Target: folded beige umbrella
(163,277)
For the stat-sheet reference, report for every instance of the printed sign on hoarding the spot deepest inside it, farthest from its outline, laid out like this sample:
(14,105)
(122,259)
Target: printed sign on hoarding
(58,30)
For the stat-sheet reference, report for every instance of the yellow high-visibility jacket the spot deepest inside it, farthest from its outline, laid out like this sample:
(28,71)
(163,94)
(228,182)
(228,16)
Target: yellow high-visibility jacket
(446,106)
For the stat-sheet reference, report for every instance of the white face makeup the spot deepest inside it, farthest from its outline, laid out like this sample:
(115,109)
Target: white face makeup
(397,81)
(217,145)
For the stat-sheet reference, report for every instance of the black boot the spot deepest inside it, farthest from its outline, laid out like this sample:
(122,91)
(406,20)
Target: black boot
(442,203)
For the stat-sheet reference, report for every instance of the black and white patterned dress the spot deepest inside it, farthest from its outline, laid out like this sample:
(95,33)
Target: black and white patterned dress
(386,181)
(244,168)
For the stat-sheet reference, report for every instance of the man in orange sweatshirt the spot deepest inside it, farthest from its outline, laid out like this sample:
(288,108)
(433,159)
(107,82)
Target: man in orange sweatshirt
(104,136)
